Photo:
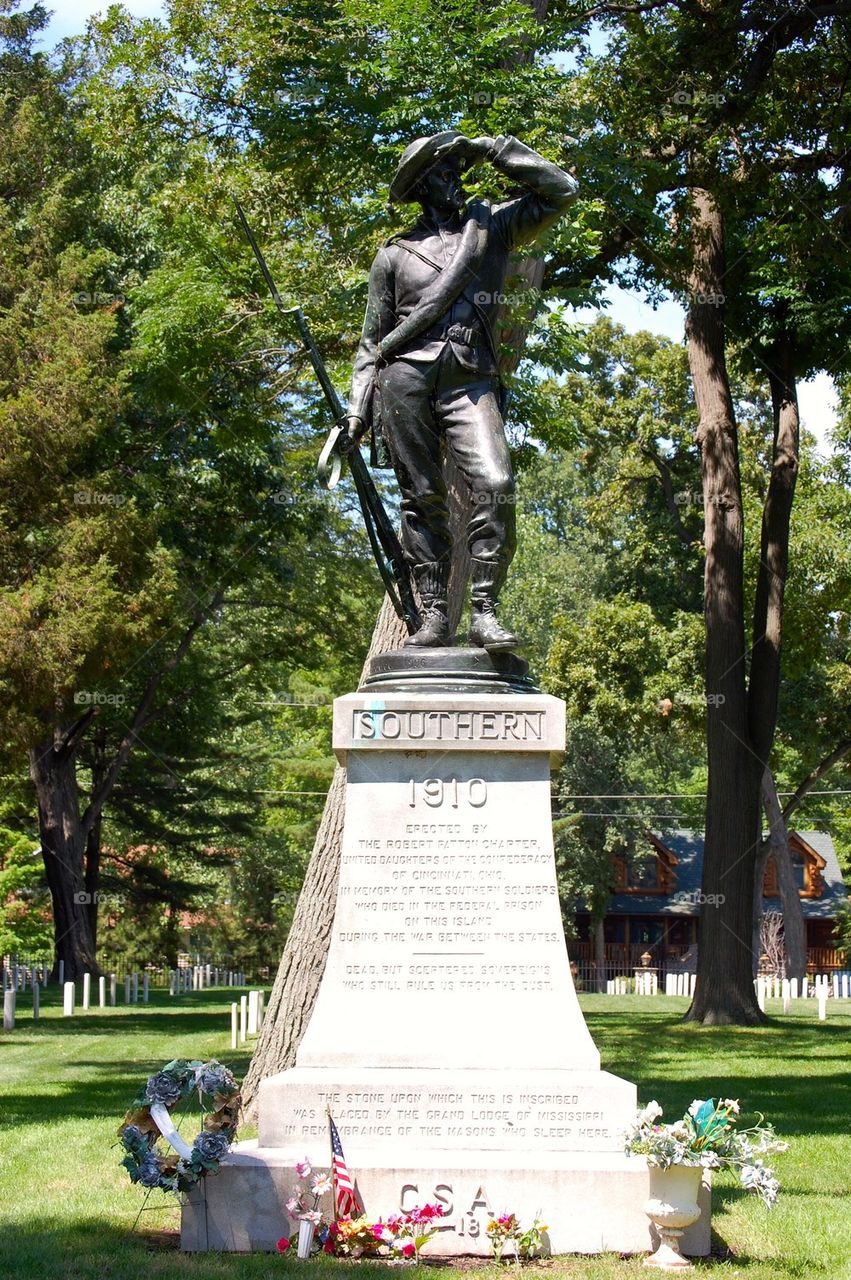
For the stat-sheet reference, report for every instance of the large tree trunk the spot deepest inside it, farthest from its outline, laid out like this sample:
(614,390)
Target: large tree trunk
(600,957)
(725,990)
(52,769)
(794,928)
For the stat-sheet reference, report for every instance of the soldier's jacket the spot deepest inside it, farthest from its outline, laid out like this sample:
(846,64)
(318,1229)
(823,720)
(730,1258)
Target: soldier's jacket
(398,276)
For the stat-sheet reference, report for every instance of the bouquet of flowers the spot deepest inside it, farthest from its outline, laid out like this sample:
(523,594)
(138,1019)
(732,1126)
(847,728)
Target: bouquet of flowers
(707,1136)
(304,1201)
(527,1244)
(400,1235)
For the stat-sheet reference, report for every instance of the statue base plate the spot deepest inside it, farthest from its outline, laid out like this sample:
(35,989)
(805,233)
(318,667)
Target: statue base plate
(448,670)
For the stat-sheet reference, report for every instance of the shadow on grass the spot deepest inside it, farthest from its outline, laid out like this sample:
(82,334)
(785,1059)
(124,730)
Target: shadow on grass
(674,1062)
(91,1248)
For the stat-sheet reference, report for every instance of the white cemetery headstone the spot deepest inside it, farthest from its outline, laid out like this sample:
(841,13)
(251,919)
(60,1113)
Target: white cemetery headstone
(87,990)
(760,993)
(135,988)
(9,998)
(113,990)
(261,1010)
(822,1004)
(253,1006)
(234,1019)
(68,999)
(804,988)
(127,987)
(36,1002)
(61,973)
(146,980)
(243,1018)
(102,992)
(793,988)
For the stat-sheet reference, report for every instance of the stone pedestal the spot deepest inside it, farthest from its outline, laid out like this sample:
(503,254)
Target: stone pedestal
(446,1041)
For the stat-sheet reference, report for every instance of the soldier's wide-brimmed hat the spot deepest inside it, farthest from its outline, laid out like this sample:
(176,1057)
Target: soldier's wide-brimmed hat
(416,160)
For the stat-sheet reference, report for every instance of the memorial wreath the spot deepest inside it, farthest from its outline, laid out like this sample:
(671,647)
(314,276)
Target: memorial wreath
(150,1120)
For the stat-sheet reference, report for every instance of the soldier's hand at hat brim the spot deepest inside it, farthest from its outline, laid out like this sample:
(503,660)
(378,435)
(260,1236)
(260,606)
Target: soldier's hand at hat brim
(476,149)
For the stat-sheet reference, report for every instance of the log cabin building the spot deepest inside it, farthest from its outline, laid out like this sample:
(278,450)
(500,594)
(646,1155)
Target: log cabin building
(657,902)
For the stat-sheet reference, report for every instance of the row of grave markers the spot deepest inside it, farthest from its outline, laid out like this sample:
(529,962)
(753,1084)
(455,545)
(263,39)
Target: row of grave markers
(820,987)
(246,1017)
(181,980)
(18,977)
(824,986)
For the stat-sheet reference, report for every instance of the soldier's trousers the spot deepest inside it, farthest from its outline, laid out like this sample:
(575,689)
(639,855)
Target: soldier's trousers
(423,406)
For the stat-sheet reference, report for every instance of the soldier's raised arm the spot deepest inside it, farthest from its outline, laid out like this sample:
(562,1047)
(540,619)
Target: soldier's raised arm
(551,190)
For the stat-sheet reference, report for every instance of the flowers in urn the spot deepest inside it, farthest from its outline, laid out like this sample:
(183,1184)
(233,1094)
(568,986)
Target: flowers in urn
(707,1136)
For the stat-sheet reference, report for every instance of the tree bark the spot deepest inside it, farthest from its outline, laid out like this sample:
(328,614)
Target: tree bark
(794,928)
(92,852)
(724,992)
(53,773)
(600,956)
(764,689)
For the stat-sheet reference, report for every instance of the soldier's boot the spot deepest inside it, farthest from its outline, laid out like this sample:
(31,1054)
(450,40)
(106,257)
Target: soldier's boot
(486,631)
(433,584)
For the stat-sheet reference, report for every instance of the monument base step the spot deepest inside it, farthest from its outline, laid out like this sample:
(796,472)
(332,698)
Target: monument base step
(380,1109)
(592,1202)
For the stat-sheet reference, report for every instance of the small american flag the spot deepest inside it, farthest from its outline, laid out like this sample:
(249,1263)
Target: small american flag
(346,1199)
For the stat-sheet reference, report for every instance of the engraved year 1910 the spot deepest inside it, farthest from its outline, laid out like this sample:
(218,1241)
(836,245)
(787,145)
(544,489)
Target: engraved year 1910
(438,791)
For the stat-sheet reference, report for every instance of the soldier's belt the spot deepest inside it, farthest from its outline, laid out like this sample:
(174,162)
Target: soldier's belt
(468,335)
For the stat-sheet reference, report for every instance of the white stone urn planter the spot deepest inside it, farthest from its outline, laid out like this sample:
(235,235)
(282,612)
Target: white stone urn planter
(672,1206)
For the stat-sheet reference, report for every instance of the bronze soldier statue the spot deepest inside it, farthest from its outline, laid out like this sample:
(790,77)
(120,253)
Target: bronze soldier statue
(426,370)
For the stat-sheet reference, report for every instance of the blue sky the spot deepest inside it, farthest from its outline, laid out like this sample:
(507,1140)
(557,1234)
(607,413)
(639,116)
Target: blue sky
(817,398)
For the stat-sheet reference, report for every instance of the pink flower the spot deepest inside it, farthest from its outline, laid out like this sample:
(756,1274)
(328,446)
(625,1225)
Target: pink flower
(293,1205)
(408,1249)
(283,1244)
(303,1168)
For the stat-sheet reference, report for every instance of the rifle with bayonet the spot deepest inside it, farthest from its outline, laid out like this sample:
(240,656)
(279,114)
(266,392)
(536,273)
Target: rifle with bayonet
(339,446)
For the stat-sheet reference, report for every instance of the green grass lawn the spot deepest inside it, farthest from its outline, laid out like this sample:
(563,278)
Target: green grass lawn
(67,1208)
